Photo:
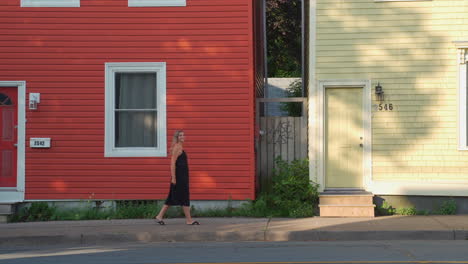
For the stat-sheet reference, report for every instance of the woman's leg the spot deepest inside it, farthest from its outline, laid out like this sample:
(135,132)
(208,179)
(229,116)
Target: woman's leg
(188,217)
(163,211)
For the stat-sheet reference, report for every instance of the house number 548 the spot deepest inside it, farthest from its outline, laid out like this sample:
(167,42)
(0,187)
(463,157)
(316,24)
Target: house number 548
(385,107)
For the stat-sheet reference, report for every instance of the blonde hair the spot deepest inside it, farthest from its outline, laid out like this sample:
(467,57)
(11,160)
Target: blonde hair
(175,138)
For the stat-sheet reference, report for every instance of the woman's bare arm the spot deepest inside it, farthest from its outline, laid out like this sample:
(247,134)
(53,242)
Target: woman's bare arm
(176,151)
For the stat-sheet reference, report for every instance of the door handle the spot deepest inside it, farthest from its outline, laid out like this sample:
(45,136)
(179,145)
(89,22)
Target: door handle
(361,145)
(16,145)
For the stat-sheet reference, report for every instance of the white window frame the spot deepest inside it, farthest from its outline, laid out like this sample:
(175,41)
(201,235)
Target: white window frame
(140,3)
(159,68)
(462,93)
(50,3)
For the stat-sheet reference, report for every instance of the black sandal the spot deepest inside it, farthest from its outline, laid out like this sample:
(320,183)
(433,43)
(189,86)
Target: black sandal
(194,223)
(161,222)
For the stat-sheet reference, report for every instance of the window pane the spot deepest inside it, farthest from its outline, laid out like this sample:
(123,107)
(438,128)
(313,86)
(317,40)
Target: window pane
(135,90)
(135,129)
(5,100)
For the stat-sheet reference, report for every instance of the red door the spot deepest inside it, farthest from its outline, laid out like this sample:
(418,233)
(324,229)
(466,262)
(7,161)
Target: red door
(8,136)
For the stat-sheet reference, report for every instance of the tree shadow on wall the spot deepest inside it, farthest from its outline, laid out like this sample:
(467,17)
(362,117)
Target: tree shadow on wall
(397,45)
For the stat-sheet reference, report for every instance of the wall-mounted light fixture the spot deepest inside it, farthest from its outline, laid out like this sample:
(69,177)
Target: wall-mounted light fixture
(379,93)
(34,99)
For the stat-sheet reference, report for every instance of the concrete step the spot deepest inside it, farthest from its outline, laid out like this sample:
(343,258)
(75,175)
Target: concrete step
(346,204)
(346,199)
(339,210)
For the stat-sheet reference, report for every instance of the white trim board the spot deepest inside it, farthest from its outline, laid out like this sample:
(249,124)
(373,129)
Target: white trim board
(50,3)
(312,86)
(142,3)
(462,100)
(17,194)
(437,188)
(318,111)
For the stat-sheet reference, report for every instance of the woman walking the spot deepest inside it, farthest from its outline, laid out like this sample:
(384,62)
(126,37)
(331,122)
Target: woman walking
(179,192)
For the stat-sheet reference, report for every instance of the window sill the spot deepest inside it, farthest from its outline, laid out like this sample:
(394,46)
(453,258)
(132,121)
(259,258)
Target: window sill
(149,3)
(135,152)
(50,3)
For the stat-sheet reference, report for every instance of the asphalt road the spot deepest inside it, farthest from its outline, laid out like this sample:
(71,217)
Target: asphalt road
(367,252)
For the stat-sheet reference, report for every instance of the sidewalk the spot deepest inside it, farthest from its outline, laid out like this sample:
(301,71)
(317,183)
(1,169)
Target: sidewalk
(236,229)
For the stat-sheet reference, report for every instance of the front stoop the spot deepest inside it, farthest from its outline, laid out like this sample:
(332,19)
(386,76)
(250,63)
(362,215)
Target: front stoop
(346,205)
(5,211)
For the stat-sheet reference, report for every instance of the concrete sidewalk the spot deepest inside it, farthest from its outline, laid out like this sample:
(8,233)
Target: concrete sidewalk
(236,229)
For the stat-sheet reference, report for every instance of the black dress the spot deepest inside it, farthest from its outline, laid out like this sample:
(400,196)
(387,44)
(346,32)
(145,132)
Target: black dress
(179,193)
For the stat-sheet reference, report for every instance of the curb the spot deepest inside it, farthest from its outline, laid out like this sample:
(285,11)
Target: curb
(219,236)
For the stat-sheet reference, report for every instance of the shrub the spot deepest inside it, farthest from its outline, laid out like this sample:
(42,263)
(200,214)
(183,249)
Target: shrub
(385,209)
(448,207)
(136,209)
(406,211)
(292,194)
(38,211)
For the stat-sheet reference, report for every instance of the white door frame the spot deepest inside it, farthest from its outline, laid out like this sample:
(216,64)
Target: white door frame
(317,97)
(7,194)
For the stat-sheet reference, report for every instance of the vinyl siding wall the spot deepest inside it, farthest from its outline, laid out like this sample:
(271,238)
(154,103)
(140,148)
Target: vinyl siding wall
(408,48)
(61,52)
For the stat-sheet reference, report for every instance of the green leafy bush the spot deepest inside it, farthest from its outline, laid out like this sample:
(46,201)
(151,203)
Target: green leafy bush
(136,209)
(38,211)
(385,209)
(406,211)
(292,194)
(448,207)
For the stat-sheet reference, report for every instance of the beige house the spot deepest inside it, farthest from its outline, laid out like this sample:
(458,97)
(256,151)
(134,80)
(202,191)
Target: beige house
(387,101)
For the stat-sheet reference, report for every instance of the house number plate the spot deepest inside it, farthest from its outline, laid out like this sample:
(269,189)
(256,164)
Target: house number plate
(39,142)
(385,107)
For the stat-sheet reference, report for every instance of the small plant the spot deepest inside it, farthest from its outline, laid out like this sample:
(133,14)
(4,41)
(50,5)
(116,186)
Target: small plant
(37,211)
(385,209)
(137,209)
(448,207)
(406,211)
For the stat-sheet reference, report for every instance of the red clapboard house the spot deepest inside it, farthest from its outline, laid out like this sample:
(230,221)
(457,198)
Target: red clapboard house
(91,92)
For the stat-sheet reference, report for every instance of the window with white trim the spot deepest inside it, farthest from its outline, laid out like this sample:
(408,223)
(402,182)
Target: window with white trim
(157,3)
(135,119)
(462,100)
(50,3)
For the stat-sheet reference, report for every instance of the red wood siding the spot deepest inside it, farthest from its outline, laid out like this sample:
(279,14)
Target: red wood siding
(60,53)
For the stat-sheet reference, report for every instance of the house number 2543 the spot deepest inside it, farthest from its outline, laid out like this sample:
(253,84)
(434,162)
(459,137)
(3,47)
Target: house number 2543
(385,107)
